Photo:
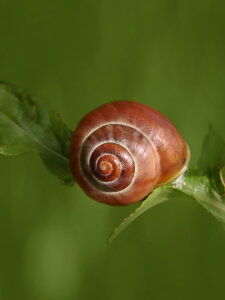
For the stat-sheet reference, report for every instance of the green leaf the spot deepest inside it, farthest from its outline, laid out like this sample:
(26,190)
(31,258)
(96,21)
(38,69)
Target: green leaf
(200,188)
(190,184)
(158,196)
(222,178)
(205,184)
(212,158)
(26,125)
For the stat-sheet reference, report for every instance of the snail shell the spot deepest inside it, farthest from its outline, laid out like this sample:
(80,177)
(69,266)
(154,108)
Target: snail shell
(122,150)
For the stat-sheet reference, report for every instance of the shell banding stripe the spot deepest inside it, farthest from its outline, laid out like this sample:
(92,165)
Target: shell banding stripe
(120,138)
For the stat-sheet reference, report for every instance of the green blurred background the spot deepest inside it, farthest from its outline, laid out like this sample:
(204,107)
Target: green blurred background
(75,55)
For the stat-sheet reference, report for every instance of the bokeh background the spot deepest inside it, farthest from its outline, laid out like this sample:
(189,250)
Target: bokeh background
(75,55)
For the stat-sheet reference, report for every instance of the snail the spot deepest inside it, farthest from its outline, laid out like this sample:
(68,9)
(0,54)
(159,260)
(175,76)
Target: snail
(122,150)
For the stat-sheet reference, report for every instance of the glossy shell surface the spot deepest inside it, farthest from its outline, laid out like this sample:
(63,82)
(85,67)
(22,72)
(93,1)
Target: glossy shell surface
(121,150)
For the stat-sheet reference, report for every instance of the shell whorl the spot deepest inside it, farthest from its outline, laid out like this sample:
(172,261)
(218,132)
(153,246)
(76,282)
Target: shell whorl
(122,150)
(119,147)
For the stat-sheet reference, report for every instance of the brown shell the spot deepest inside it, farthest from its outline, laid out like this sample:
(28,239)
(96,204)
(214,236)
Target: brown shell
(121,150)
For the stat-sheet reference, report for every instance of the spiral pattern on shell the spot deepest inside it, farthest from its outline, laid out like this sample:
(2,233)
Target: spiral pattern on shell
(122,150)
